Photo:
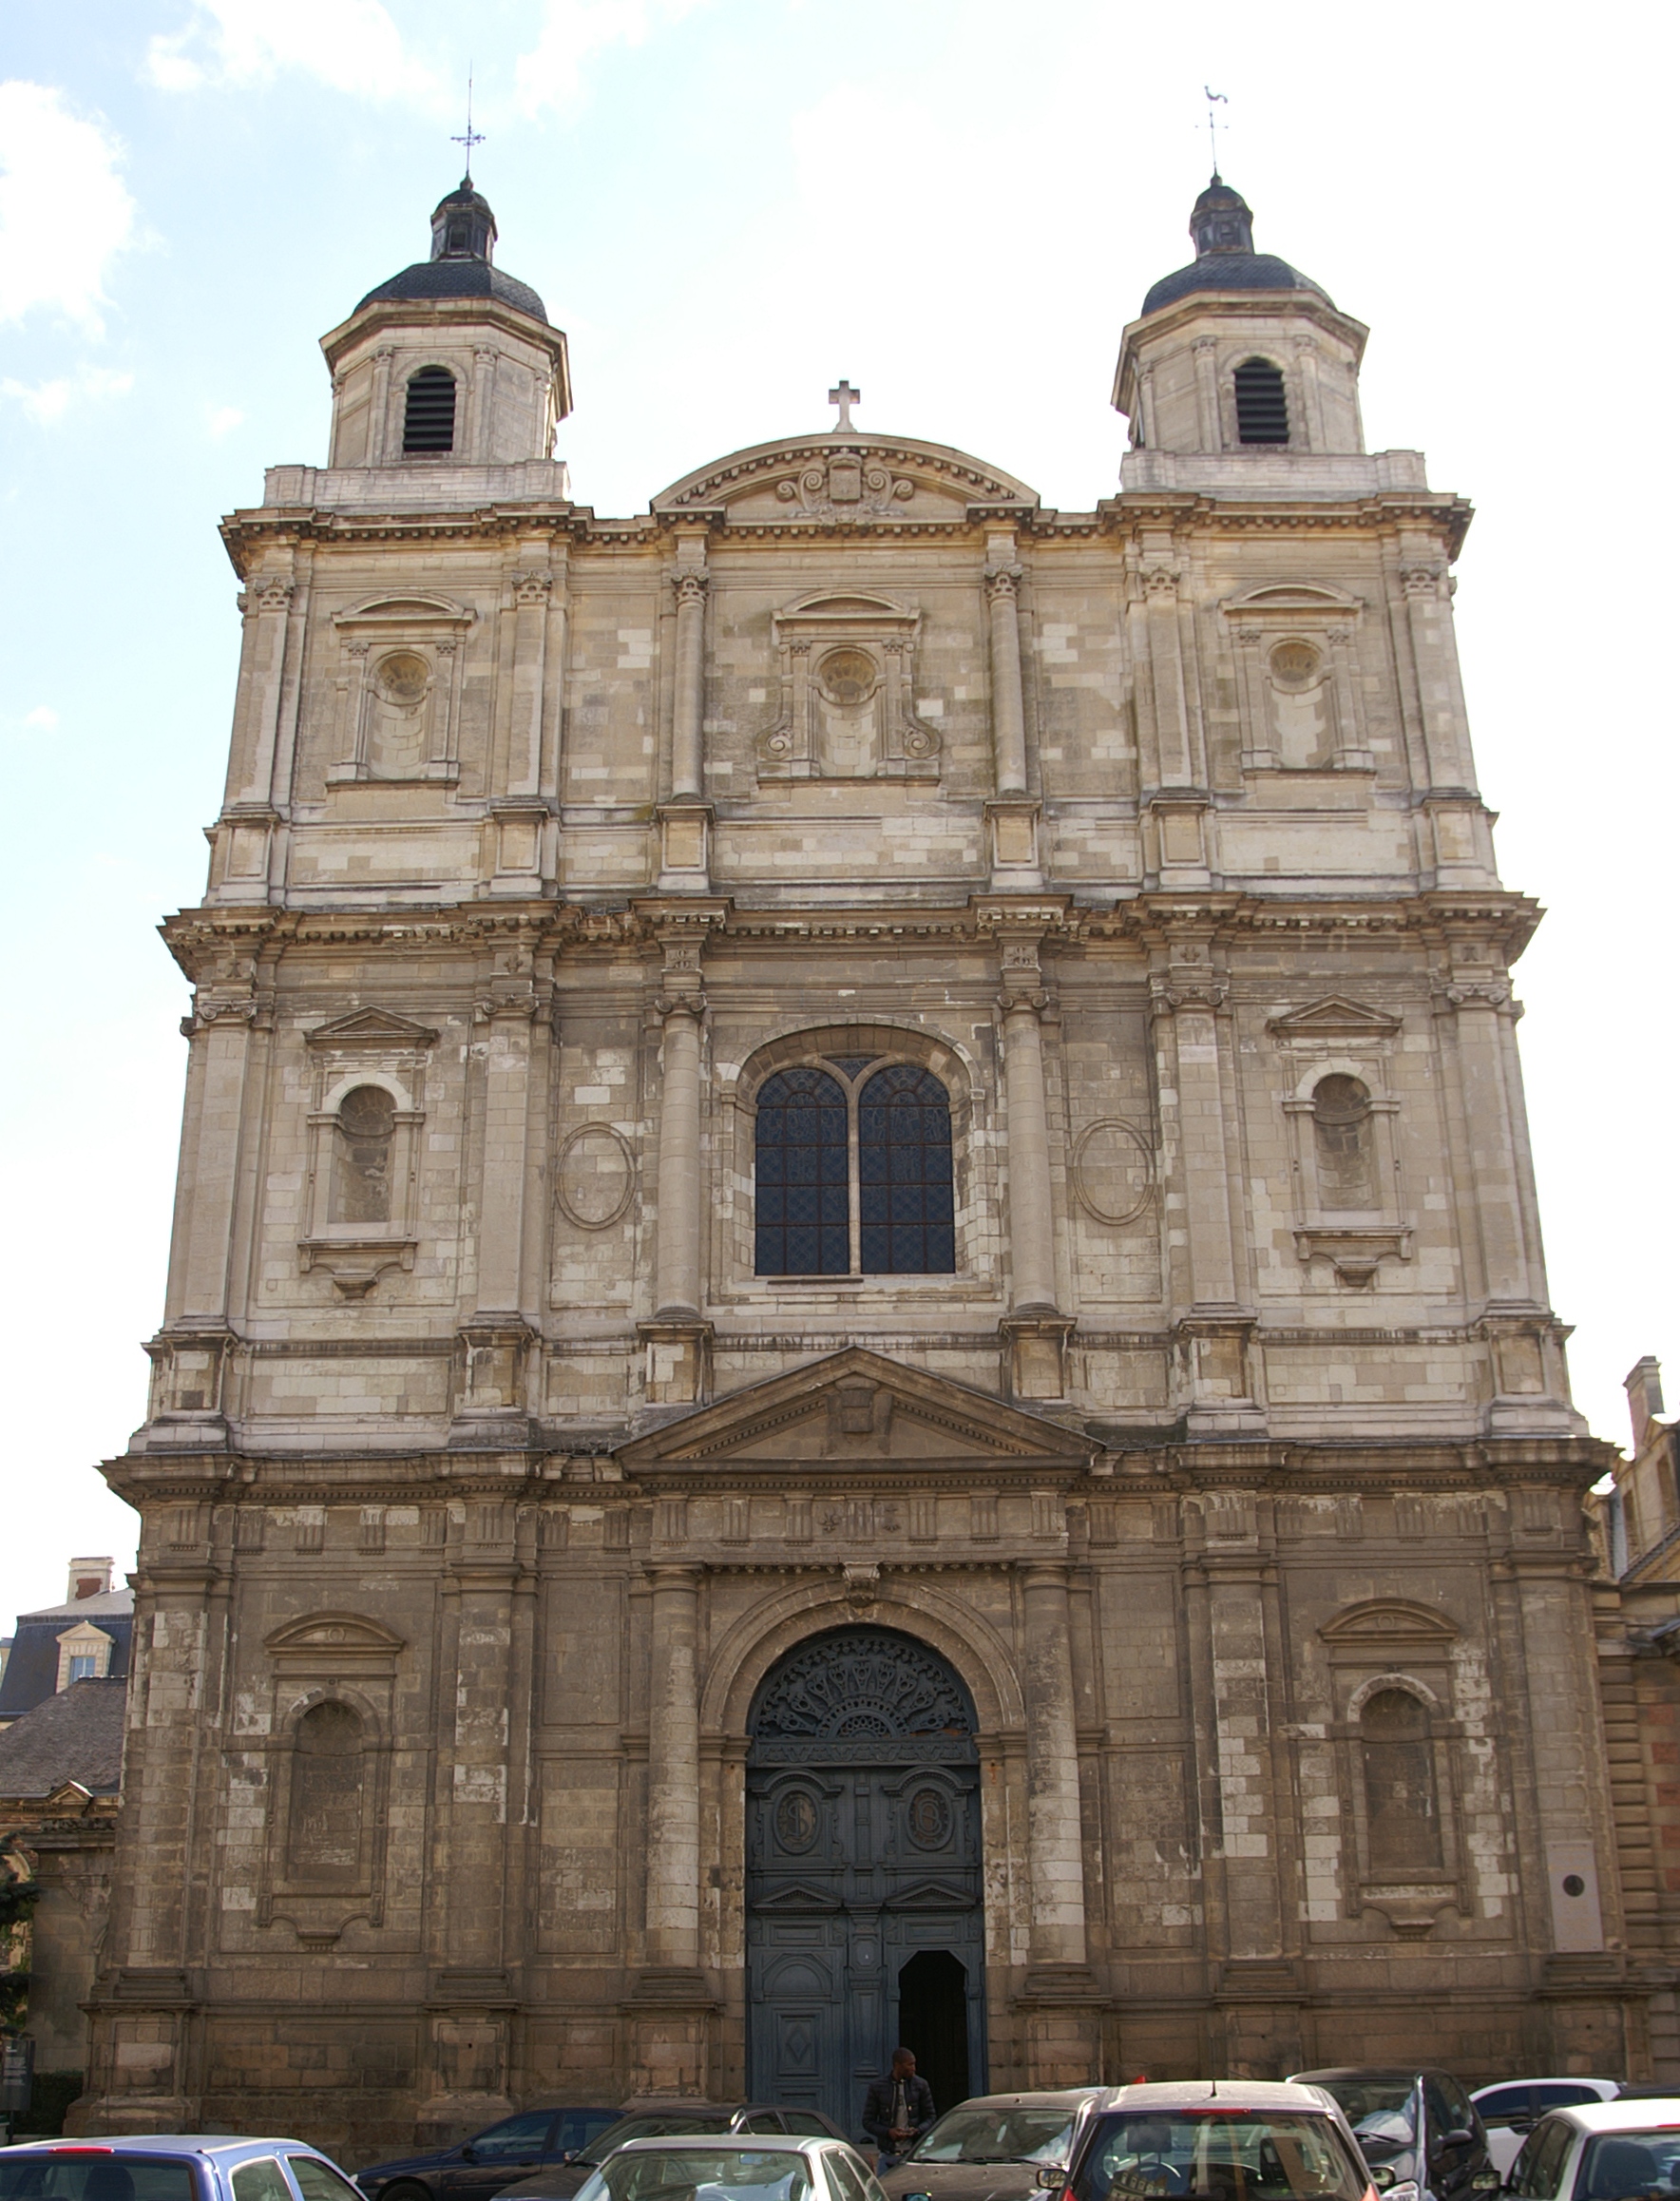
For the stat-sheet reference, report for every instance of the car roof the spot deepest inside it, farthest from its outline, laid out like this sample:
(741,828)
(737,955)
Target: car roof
(1659,2111)
(1239,2093)
(1369,2071)
(731,2143)
(1553,2078)
(1042,2097)
(162,2144)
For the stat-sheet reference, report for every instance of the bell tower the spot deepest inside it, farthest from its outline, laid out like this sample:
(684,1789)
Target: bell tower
(450,361)
(1239,351)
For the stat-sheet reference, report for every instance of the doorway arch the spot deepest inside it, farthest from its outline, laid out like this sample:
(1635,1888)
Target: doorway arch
(865,1917)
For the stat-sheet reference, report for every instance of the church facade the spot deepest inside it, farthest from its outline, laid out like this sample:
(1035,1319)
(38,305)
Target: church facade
(856,1344)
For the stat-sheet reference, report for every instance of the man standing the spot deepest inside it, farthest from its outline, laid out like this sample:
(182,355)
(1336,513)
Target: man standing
(897,2110)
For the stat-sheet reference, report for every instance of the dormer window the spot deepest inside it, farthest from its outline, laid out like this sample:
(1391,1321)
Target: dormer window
(428,418)
(1262,409)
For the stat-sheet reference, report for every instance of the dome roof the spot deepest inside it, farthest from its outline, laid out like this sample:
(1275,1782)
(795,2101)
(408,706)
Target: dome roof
(463,254)
(1223,228)
(459,279)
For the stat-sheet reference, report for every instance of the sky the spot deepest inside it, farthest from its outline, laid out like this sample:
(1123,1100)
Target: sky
(728,204)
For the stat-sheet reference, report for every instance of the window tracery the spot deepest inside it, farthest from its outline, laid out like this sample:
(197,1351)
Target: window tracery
(853,1171)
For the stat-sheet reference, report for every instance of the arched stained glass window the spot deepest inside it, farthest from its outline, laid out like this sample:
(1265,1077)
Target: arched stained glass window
(905,1206)
(803,1220)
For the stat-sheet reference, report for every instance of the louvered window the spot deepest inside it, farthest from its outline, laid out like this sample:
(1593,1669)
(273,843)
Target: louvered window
(429,421)
(1262,409)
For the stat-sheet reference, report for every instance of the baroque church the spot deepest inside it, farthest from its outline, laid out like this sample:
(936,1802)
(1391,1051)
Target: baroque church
(856,1346)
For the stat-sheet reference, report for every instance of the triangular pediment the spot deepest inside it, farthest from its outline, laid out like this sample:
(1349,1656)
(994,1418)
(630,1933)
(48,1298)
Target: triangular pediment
(335,1631)
(799,1895)
(837,480)
(1391,1623)
(1335,1017)
(371,1027)
(857,1405)
(930,1894)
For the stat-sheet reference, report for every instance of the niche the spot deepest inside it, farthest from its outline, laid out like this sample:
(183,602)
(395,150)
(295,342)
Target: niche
(398,689)
(324,1833)
(1302,707)
(1341,1135)
(846,708)
(362,1157)
(1402,1812)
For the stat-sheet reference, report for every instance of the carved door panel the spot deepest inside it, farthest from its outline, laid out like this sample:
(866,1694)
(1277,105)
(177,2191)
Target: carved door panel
(862,1850)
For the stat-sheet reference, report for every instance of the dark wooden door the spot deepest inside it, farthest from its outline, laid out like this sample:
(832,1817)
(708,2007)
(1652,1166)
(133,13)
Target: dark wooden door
(862,1853)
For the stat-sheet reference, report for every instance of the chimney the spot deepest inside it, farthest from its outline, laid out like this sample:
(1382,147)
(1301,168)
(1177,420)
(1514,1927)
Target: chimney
(1644,1386)
(89,1578)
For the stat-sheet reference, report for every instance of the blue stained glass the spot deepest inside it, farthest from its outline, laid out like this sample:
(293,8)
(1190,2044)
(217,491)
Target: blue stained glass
(904,1168)
(801,1226)
(851,1065)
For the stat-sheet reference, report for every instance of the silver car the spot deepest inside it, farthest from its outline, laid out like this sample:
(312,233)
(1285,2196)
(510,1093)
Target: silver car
(740,2167)
(1601,2150)
(171,2167)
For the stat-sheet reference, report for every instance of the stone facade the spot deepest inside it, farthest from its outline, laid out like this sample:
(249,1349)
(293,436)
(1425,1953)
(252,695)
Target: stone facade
(1226,1465)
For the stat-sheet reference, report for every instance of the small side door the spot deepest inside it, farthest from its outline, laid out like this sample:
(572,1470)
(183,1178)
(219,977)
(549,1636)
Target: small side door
(497,2156)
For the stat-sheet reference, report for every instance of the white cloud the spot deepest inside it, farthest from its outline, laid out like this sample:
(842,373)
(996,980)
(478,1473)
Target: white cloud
(65,212)
(49,401)
(43,715)
(221,420)
(573,30)
(351,45)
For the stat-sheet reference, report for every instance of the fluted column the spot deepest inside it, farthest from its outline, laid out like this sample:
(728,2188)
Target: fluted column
(1009,709)
(674,1773)
(687,759)
(1055,1848)
(678,1267)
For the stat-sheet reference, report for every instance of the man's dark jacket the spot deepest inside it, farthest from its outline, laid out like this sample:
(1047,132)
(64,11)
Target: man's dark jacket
(919,2110)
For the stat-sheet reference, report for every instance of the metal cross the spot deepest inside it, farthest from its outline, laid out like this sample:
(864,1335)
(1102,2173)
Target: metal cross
(472,137)
(844,396)
(1210,96)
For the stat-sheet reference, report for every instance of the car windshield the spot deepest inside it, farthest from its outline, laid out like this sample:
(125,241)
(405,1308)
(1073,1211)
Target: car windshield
(656,2126)
(1624,2166)
(995,2135)
(108,2175)
(702,2174)
(1219,2154)
(1377,2108)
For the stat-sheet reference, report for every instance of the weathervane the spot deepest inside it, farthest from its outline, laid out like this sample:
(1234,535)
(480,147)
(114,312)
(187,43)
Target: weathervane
(472,137)
(1210,96)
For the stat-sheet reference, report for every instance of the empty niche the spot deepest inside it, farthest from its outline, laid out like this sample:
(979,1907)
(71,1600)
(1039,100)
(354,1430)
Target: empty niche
(399,717)
(1301,705)
(1342,1137)
(324,1843)
(362,1157)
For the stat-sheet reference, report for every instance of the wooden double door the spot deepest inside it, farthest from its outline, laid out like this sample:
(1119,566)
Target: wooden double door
(864,1919)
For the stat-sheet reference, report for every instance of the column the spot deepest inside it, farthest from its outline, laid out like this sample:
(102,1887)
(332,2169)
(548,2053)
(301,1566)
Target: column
(1009,709)
(1032,1240)
(678,1267)
(674,1773)
(1435,662)
(1054,1849)
(687,760)
(1206,350)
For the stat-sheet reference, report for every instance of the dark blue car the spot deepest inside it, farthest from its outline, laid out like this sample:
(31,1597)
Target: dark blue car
(474,2169)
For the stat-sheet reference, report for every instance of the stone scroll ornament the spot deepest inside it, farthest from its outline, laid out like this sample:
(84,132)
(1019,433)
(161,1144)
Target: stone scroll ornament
(862,1685)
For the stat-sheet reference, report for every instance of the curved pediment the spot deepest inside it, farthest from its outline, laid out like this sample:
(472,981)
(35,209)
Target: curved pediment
(830,480)
(412,608)
(337,1632)
(1390,1623)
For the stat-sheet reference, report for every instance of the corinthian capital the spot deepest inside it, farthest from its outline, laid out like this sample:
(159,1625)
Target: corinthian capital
(690,585)
(1002,581)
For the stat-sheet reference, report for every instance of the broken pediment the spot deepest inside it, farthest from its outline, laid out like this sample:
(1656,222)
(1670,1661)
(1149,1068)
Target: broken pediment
(857,1405)
(1335,1017)
(830,480)
(371,1027)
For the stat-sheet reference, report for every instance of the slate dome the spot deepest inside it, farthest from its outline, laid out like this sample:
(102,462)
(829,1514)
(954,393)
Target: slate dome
(1223,228)
(462,262)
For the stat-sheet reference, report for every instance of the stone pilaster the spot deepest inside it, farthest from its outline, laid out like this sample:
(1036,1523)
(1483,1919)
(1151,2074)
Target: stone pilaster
(1002,582)
(1035,1331)
(1061,2001)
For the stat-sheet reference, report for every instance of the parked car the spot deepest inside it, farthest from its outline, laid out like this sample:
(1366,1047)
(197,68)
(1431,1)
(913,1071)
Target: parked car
(1416,2128)
(1601,2150)
(1239,2139)
(171,2167)
(662,2120)
(992,2147)
(1511,2109)
(733,2167)
(473,2170)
